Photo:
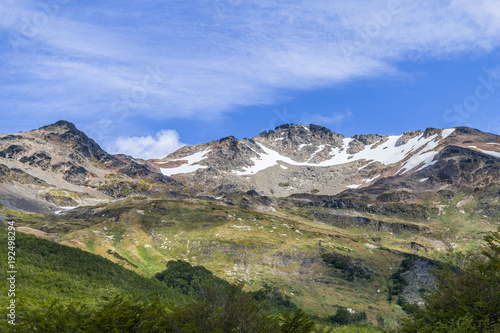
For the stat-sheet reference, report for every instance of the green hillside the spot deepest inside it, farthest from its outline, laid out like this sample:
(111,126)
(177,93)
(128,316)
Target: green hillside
(48,271)
(63,289)
(324,260)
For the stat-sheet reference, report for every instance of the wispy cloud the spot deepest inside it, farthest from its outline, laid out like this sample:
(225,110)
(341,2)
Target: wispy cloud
(85,57)
(147,147)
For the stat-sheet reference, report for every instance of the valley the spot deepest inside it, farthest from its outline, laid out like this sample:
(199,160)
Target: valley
(331,222)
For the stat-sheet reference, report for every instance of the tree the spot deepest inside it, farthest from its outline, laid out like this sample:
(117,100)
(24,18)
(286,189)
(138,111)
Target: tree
(468,295)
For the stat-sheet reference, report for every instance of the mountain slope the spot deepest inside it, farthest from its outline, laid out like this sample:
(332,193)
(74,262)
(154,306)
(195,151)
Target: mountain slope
(48,271)
(339,217)
(58,165)
(298,158)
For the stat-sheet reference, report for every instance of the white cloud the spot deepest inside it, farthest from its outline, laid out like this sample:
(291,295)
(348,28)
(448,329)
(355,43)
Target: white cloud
(147,147)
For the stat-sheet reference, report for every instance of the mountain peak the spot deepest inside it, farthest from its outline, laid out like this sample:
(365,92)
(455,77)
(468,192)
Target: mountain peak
(61,124)
(306,157)
(298,131)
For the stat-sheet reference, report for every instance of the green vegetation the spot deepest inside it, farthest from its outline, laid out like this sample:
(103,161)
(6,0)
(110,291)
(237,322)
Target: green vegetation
(63,289)
(468,294)
(234,312)
(345,317)
(190,280)
(347,265)
(66,290)
(48,271)
(195,280)
(287,259)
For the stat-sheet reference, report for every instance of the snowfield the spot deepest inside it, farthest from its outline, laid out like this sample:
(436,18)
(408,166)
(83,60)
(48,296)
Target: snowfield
(422,150)
(387,153)
(190,166)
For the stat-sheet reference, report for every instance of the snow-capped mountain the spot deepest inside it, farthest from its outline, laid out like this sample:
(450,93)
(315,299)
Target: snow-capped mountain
(58,166)
(299,158)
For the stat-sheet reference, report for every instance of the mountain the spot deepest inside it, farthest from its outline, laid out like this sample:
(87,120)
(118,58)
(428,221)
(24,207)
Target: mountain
(58,166)
(328,221)
(298,158)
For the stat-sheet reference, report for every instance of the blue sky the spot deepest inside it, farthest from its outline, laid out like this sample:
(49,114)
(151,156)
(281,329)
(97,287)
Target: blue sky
(145,77)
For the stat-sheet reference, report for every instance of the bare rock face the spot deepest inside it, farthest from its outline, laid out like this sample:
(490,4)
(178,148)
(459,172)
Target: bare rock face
(420,281)
(301,143)
(13,152)
(61,157)
(369,139)
(299,159)
(409,135)
(39,159)
(288,160)
(72,173)
(65,135)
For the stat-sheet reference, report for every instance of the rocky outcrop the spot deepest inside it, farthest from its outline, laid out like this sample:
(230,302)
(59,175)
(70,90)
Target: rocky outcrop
(65,135)
(301,143)
(39,159)
(314,159)
(407,136)
(350,222)
(419,281)
(8,175)
(13,152)
(72,173)
(61,156)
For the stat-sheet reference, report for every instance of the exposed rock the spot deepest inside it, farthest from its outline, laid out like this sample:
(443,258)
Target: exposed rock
(308,162)
(8,175)
(407,136)
(65,134)
(40,160)
(11,137)
(13,152)
(420,281)
(61,156)
(72,173)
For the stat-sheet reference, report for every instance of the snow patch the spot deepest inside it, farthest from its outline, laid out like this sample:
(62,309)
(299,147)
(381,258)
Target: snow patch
(320,148)
(369,180)
(242,227)
(491,153)
(447,132)
(353,186)
(423,179)
(364,166)
(304,145)
(487,152)
(188,167)
(386,154)
(64,209)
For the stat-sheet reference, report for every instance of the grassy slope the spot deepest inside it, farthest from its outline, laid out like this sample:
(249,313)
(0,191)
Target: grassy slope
(280,248)
(47,271)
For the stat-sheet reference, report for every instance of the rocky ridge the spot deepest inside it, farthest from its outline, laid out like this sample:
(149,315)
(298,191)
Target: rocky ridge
(59,165)
(299,158)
